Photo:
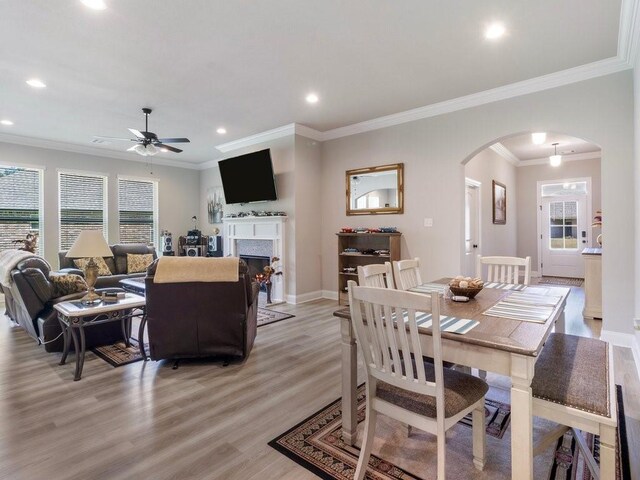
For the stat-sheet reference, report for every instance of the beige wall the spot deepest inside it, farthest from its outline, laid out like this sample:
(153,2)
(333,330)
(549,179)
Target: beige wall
(484,168)
(528,178)
(177,189)
(599,110)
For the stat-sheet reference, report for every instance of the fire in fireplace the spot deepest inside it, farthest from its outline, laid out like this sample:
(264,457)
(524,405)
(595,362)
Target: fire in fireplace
(256,265)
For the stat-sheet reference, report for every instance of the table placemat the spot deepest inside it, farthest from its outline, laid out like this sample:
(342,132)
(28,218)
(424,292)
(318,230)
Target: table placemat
(429,287)
(530,298)
(506,286)
(447,323)
(517,311)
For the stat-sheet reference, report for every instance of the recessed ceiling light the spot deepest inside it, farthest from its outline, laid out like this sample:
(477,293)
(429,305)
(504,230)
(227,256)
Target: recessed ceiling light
(312,98)
(495,30)
(35,83)
(95,4)
(8,123)
(538,138)
(221,130)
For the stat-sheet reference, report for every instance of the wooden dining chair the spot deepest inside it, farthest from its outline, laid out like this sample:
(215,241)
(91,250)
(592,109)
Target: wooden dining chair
(407,273)
(376,275)
(426,396)
(504,269)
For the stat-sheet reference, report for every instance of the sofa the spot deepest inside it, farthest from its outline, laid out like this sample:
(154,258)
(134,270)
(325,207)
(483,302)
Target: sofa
(117,264)
(30,298)
(201,319)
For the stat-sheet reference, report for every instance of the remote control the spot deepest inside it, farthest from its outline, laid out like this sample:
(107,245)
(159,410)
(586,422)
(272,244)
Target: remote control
(460,298)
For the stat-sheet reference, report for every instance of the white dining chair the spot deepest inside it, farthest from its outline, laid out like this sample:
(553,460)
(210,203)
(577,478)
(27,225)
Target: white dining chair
(426,396)
(376,275)
(407,273)
(504,269)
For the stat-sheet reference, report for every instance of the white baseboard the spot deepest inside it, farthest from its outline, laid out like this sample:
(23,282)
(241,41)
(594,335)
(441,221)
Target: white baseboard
(627,340)
(304,297)
(330,294)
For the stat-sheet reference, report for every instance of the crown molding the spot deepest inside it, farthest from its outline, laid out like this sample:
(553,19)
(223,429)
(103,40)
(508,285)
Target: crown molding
(629,32)
(505,153)
(573,157)
(307,132)
(267,136)
(544,82)
(87,150)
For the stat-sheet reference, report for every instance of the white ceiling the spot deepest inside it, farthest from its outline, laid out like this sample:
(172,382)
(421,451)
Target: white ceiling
(522,147)
(201,64)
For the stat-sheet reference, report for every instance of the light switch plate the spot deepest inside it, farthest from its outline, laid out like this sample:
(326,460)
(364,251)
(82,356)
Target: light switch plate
(428,222)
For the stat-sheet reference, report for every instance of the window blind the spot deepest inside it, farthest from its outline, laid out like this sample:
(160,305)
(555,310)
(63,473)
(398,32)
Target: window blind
(82,206)
(136,200)
(19,204)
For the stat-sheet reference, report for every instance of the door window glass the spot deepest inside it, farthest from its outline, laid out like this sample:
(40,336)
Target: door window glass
(563,229)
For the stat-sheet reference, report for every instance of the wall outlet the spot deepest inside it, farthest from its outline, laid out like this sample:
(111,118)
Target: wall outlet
(428,222)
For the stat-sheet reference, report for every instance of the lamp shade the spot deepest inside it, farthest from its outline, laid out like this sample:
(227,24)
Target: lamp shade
(90,243)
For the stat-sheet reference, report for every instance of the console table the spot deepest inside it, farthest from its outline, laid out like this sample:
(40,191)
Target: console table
(74,317)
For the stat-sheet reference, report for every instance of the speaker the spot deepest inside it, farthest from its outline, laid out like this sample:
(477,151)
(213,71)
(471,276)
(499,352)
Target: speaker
(167,243)
(191,251)
(214,246)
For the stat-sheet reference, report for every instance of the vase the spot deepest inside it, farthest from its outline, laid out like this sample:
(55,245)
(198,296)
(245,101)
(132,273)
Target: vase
(268,287)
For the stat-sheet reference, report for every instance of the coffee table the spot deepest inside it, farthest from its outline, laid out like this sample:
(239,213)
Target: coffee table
(74,317)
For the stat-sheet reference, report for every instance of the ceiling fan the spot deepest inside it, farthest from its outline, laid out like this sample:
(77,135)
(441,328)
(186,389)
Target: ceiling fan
(148,143)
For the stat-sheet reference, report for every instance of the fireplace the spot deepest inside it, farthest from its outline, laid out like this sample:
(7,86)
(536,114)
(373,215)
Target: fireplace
(256,264)
(259,237)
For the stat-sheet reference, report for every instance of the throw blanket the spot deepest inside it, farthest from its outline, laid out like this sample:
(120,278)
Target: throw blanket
(8,261)
(196,269)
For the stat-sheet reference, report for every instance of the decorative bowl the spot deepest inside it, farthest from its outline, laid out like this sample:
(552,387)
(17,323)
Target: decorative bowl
(468,292)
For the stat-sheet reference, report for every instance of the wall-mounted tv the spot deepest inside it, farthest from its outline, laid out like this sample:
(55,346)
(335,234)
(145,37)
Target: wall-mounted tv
(248,178)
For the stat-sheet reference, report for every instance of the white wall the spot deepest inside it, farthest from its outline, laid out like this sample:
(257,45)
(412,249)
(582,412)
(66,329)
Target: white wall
(636,78)
(433,150)
(528,178)
(484,168)
(177,189)
(282,156)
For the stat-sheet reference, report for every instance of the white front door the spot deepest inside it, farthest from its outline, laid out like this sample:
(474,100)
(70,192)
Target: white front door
(471,226)
(564,235)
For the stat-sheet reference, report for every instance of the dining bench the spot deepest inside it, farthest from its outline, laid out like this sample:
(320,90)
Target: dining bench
(573,386)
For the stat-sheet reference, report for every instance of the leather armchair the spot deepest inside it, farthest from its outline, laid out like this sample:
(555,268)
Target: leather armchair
(30,301)
(201,319)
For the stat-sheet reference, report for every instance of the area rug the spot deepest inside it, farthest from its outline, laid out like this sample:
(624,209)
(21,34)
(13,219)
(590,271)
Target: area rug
(267,316)
(569,464)
(564,281)
(316,444)
(119,354)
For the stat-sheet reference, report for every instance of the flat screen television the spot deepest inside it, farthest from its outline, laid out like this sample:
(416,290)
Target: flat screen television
(248,178)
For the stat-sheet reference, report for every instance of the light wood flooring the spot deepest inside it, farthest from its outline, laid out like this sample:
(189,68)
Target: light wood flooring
(202,421)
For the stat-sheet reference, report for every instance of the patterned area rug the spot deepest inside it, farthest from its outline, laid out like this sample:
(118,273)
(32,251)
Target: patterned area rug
(564,281)
(267,316)
(119,354)
(316,444)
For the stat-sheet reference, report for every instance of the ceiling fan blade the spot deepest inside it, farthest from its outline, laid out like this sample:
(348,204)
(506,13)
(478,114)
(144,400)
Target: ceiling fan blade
(140,134)
(114,138)
(168,147)
(132,149)
(174,140)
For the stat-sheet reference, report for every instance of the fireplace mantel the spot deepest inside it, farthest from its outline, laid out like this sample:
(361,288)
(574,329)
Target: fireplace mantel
(259,228)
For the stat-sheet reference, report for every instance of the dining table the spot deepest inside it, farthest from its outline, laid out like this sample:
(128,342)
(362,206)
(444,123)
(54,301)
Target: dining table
(506,345)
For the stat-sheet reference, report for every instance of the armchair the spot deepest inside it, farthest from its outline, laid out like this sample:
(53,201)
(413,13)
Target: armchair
(201,319)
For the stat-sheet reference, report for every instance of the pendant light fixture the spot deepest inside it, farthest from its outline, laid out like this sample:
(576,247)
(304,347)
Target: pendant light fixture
(555,160)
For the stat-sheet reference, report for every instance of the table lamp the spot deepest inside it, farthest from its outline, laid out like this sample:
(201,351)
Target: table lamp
(90,244)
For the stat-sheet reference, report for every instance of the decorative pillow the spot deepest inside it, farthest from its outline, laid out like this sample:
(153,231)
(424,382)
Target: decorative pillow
(67,284)
(138,263)
(103,270)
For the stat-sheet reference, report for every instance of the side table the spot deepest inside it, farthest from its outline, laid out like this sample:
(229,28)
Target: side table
(137,286)
(74,316)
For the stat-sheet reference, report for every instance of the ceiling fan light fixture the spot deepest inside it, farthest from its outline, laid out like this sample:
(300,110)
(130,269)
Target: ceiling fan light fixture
(95,4)
(555,160)
(140,150)
(151,150)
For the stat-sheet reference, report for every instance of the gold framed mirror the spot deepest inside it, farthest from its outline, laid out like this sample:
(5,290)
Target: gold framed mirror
(375,190)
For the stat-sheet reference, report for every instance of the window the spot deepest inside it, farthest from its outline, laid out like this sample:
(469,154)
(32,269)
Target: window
(563,225)
(137,200)
(83,205)
(20,205)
